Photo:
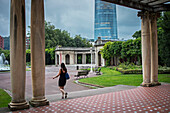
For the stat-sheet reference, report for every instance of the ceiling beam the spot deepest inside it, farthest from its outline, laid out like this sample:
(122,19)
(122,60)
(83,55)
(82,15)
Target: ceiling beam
(166,7)
(158,2)
(131,4)
(147,1)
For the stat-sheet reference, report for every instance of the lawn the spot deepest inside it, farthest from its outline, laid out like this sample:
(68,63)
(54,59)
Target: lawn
(4,98)
(111,77)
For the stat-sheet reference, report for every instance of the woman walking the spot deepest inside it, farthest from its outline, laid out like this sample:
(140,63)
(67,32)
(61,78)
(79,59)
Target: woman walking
(62,79)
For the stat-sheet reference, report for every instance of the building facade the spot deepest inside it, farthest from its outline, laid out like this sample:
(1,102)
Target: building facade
(74,55)
(105,25)
(1,43)
(7,43)
(81,56)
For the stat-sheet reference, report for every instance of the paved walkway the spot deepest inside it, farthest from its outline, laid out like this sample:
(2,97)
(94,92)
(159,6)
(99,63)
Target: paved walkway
(51,85)
(140,99)
(82,99)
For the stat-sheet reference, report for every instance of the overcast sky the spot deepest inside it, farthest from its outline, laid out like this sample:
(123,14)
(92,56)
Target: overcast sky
(75,16)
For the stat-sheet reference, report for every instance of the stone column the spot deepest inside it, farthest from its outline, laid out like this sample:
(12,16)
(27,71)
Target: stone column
(83,58)
(38,53)
(146,57)
(63,58)
(17,55)
(71,58)
(97,63)
(154,49)
(55,59)
(93,57)
(60,61)
(75,58)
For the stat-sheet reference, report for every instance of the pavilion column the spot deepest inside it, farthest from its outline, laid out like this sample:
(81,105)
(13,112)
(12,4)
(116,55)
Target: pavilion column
(93,58)
(96,58)
(154,48)
(83,58)
(17,55)
(146,56)
(75,58)
(38,53)
(56,59)
(60,56)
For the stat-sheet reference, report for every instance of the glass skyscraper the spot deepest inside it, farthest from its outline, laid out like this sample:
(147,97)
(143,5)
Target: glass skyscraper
(105,21)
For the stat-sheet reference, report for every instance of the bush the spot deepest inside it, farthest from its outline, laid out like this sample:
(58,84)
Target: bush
(134,69)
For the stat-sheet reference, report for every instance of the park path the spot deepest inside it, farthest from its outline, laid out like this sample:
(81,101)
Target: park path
(51,85)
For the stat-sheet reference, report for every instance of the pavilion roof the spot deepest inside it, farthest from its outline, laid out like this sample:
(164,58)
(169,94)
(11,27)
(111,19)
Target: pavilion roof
(144,5)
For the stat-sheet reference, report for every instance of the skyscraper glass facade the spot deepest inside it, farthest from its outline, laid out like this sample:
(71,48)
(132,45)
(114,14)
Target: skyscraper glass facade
(105,21)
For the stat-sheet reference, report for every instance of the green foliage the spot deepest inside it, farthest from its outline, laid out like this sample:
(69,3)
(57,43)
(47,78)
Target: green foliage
(137,34)
(111,77)
(107,52)
(50,56)
(164,39)
(54,37)
(4,98)
(28,55)
(128,51)
(135,69)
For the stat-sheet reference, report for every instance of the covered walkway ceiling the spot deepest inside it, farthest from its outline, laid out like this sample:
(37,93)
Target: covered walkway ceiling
(144,5)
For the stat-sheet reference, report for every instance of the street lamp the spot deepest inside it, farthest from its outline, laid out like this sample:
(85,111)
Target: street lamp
(91,49)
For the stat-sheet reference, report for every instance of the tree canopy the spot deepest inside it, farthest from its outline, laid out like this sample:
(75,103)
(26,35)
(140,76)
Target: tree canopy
(54,37)
(164,39)
(128,51)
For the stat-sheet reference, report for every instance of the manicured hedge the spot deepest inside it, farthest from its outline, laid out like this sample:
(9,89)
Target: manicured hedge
(139,71)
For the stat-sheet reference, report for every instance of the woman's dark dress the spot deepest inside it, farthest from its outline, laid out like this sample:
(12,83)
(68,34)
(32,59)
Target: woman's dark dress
(62,79)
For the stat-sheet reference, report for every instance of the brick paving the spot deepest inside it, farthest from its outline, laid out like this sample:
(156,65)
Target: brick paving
(141,99)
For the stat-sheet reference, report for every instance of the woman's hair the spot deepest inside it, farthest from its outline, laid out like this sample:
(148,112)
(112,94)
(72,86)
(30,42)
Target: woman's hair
(63,67)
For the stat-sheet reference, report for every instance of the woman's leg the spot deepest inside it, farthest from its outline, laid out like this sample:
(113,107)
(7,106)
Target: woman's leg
(62,91)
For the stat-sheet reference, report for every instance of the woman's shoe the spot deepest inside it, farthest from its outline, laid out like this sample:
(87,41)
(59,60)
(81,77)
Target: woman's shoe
(65,95)
(62,97)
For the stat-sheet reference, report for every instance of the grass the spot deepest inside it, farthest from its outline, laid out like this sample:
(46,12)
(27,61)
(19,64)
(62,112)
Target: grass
(111,77)
(4,98)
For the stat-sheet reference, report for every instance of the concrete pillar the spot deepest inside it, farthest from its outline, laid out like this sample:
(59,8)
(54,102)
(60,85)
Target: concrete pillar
(60,60)
(75,58)
(103,62)
(63,58)
(71,58)
(93,58)
(83,58)
(146,57)
(17,55)
(96,59)
(154,49)
(38,53)
(55,59)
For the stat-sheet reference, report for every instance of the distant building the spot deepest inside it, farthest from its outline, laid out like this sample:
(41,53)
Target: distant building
(105,25)
(81,56)
(1,43)
(7,43)
(27,42)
